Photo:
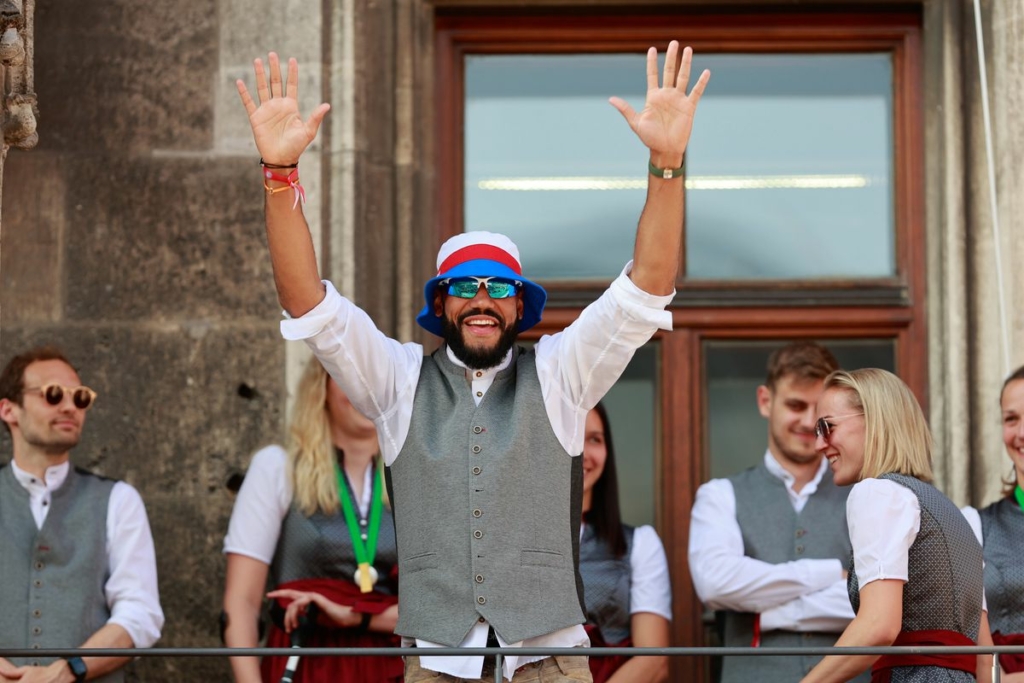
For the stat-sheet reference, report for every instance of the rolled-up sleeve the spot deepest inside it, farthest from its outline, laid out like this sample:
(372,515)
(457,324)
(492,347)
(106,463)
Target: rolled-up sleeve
(579,365)
(377,373)
(131,591)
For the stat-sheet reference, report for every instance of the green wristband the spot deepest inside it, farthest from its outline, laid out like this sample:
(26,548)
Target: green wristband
(665,173)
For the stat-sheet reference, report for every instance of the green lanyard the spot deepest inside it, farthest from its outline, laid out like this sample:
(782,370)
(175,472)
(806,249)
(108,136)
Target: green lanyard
(365,551)
(1019,493)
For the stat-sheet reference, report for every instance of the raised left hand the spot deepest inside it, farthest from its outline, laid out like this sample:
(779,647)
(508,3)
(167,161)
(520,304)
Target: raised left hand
(666,120)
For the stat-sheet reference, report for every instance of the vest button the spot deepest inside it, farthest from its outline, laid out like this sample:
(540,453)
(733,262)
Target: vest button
(35,646)
(799,549)
(478,429)
(37,583)
(36,613)
(477,513)
(36,630)
(481,600)
(481,620)
(477,470)
(800,533)
(479,578)
(476,449)
(478,534)
(39,565)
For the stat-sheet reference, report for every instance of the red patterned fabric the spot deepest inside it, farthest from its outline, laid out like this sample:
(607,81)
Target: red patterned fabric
(337,669)
(881,672)
(602,668)
(1010,663)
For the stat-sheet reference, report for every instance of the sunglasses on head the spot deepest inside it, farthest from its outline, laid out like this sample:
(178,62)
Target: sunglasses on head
(53,394)
(467,287)
(823,428)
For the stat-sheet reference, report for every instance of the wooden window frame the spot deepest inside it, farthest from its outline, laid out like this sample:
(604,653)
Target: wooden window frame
(703,311)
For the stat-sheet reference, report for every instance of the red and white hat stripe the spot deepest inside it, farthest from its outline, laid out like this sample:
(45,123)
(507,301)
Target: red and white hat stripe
(478,252)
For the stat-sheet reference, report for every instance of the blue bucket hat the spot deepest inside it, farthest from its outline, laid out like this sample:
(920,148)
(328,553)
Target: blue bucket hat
(481,254)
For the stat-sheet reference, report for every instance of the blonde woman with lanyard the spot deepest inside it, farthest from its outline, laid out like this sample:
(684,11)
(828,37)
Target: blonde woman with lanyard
(316,520)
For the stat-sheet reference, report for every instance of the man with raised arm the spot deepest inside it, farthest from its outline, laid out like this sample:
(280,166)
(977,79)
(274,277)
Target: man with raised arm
(481,437)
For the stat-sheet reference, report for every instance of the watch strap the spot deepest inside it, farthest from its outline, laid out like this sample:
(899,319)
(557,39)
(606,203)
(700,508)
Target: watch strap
(78,668)
(665,173)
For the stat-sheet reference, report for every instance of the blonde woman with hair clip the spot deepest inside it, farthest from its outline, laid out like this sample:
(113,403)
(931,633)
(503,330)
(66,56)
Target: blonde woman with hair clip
(316,520)
(916,576)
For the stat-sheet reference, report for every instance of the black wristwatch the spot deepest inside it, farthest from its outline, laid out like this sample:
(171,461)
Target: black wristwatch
(78,668)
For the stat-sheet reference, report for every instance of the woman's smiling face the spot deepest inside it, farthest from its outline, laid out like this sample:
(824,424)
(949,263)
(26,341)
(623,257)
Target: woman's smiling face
(843,445)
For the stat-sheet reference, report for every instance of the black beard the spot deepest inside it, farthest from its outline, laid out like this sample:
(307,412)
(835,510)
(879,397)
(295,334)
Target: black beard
(478,359)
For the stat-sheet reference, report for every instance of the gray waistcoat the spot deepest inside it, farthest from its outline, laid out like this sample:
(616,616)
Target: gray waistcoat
(53,578)
(945,581)
(1002,526)
(774,532)
(320,547)
(607,580)
(487,509)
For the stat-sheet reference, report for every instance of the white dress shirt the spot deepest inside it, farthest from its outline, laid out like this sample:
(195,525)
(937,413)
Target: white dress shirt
(807,595)
(131,591)
(575,367)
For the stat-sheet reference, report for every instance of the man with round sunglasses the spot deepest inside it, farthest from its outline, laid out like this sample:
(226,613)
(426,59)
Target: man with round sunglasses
(769,546)
(76,552)
(482,438)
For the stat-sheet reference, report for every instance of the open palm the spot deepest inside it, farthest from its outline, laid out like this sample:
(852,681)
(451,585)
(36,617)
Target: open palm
(280,133)
(665,122)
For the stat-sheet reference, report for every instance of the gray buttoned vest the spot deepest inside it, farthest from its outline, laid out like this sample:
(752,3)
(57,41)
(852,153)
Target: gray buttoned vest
(53,578)
(320,547)
(774,532)
(1002,526)
(607,580)
(945,578)
(487,509)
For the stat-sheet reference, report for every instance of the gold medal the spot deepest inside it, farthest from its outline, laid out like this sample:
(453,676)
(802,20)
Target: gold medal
(365,577)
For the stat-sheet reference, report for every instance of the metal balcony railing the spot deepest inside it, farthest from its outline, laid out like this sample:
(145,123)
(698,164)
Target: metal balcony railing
(500,652)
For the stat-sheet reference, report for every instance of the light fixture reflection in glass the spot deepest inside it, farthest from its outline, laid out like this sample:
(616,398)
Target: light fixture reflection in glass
(788,182)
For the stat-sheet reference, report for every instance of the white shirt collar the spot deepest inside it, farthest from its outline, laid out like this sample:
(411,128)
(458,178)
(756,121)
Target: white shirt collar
(780,472)
(489,372)
(55,476)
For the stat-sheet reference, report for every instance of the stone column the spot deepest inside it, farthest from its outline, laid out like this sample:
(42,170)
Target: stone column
(18,106)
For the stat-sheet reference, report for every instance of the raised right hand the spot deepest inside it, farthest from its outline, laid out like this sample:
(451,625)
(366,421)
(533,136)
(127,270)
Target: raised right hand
(280,133)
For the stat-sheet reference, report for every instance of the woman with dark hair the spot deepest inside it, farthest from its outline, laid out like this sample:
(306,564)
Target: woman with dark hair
(625,574)
(1002,530)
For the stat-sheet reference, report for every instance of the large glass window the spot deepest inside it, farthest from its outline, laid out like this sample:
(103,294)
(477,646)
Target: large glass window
(789,172)
(804,211)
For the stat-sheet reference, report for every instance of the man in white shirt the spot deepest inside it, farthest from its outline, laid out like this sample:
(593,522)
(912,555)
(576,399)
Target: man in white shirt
(769,546)
(76,553)
(482,438)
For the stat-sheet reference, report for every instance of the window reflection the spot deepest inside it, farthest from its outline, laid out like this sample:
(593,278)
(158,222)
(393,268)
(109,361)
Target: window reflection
(788,177)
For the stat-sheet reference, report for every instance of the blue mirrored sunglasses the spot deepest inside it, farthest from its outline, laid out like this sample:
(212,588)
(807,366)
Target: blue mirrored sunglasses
(467,287)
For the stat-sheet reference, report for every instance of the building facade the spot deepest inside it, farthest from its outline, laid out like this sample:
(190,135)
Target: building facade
(838,189)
